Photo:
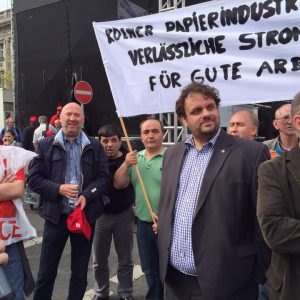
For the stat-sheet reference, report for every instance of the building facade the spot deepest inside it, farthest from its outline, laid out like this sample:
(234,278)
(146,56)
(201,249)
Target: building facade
(5,49)
(6,66)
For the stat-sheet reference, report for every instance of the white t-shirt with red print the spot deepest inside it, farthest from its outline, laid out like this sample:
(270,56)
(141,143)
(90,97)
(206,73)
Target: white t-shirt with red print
(14,224)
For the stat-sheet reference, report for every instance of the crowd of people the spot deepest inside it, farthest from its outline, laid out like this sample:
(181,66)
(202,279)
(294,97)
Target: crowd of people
(29,137)
(218,215)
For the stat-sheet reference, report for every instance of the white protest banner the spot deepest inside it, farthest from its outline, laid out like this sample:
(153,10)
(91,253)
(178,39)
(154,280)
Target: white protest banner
(249,50)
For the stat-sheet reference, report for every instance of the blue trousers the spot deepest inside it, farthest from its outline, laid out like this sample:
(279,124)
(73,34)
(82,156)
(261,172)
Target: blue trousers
(54,240)
(14,271)
(263,291)
(147,245)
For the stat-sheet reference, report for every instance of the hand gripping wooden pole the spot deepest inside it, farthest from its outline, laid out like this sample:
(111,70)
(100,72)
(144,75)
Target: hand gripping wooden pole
(138,172)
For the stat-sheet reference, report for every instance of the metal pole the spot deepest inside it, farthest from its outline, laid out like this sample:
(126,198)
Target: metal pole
(171,120)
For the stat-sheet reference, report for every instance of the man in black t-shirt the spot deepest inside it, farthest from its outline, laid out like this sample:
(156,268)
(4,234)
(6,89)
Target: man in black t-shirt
(116,222)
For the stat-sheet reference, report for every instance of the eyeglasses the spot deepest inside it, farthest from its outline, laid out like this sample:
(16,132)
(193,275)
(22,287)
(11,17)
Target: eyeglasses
(285,118)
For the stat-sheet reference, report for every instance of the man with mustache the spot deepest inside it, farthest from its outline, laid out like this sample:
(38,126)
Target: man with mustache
(210,245)
(149,162)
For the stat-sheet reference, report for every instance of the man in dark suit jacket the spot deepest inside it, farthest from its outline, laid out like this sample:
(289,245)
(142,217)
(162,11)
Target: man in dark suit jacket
(210,244)
(278,212)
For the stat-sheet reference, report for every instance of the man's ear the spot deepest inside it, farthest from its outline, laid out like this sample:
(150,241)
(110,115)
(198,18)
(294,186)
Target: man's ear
(254,131)
(183,120)
(275,124)
(296,122)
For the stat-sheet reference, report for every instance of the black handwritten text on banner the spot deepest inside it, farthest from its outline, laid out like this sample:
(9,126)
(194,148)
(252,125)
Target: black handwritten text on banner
(249,50)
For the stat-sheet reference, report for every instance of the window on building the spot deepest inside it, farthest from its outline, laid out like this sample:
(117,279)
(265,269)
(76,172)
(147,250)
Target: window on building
(1,50)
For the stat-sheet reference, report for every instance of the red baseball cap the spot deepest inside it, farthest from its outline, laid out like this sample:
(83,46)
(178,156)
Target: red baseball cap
(49,133)
(33,119)
(59,108)
(77,223)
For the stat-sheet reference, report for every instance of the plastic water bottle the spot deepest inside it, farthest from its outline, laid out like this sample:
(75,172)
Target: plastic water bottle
(6,291)
(74,199)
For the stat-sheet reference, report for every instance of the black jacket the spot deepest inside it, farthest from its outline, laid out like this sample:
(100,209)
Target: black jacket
(47,172)
(27,137)
(227,244)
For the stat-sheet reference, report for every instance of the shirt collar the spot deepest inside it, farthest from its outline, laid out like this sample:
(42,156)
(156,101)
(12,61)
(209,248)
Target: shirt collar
(161,153)
(82,139)
(190,141)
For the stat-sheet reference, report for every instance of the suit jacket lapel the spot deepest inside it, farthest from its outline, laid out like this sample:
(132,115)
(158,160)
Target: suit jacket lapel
(293,163)
(291,170)
(178,160)
(221,151)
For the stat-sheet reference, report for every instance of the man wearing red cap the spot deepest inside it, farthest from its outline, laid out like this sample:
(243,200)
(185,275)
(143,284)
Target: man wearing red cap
(28,131)
(56,116)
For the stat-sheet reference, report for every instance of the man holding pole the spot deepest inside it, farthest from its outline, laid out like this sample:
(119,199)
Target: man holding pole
(149,162)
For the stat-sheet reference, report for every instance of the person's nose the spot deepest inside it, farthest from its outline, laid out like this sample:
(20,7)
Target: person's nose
(72,117)
(234,128)
(205,113)
(151,135)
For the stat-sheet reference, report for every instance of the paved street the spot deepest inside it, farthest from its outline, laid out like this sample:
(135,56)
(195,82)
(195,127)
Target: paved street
(33,248)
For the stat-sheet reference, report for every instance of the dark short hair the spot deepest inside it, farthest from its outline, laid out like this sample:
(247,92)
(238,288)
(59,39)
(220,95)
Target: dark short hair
(195,87)
(154,119)
(295,105)
(11,132)
(109,130)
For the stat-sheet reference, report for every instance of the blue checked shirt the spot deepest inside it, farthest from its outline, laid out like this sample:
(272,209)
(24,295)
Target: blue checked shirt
(193,169)
(73,150)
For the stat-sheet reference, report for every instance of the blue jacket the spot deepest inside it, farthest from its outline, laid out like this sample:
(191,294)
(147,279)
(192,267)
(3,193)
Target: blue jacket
(47,172)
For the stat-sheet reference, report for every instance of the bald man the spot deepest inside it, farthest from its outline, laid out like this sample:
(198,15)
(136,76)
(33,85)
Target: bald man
(69,167)
(243,124)
(287,137)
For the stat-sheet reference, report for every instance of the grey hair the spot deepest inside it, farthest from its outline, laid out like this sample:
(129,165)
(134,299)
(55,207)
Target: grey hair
(42,119)
(252,115)
(295,105)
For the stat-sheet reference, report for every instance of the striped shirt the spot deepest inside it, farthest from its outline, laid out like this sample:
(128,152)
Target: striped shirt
(193,169)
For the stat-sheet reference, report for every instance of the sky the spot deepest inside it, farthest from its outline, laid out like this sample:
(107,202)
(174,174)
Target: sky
(5,4)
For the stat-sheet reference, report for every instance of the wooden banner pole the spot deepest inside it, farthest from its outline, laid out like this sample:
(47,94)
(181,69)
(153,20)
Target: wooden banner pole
(138,172)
